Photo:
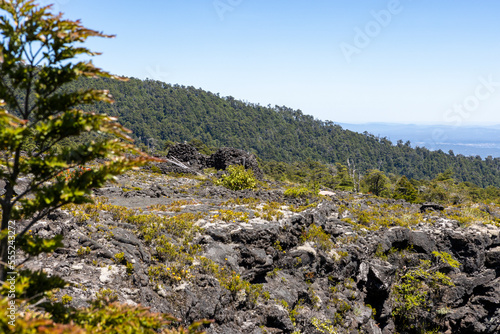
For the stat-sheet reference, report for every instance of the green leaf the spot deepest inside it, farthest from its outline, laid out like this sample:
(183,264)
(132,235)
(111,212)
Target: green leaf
(34,245)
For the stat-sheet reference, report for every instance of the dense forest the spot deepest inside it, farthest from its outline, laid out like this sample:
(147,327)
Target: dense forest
(159,113)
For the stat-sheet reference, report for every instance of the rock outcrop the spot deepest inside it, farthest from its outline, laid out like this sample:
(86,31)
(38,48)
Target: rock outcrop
(258,266)
(185,158)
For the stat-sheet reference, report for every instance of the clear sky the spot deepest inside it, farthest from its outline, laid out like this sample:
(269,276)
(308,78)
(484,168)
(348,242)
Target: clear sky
(356,61)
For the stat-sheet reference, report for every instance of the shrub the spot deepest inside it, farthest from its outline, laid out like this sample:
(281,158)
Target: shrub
(231,216)
(237,178)
(417,296)
(300,192)
(320,237)
(66,299)
(405,190)
(119,257)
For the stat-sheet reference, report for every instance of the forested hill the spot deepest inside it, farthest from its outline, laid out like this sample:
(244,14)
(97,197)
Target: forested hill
(153,109)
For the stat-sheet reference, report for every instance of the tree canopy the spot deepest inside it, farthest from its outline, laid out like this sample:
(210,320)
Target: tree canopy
(174,113)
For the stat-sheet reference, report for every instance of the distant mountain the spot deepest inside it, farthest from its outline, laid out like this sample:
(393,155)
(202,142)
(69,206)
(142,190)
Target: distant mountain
(157,112)
(467,140)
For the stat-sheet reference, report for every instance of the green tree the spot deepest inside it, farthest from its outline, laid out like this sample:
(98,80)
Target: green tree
(447,175)
(39,54)
(405,190)
(343,180)
(376,182)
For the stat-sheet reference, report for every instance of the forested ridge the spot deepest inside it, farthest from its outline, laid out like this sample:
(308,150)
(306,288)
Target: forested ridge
(164,112)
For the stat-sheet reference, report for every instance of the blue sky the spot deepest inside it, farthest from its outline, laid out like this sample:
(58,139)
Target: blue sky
(432,62)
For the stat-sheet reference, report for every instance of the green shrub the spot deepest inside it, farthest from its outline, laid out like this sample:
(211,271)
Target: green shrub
(119,257)
(318,236)
(447,259)
(231,216)
(130,268)
(66,299)
(405,190)
(82,251)
(237,178)
(300,192)
(417,296)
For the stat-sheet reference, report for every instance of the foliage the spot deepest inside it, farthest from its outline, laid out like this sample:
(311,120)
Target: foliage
(34,245)
(119,257)
(300,192)
(447,259)
(382,215)
(231,280)
(405,190)
(231,216)
(317,235)
(376,182)
(101,317)
(270,211)
(417,297)
(83,251)
(323,326)
(237,178)
(470,214)
(277,134)
(343,179)
(39,111)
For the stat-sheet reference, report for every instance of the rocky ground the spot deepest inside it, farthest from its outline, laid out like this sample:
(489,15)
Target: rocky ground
(257,261)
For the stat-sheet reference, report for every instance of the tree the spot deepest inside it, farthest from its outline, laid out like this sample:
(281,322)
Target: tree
(405,190)
(38,58)
(343,179)
(376,182)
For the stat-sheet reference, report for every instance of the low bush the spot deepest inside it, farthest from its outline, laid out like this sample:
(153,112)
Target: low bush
(237,178)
